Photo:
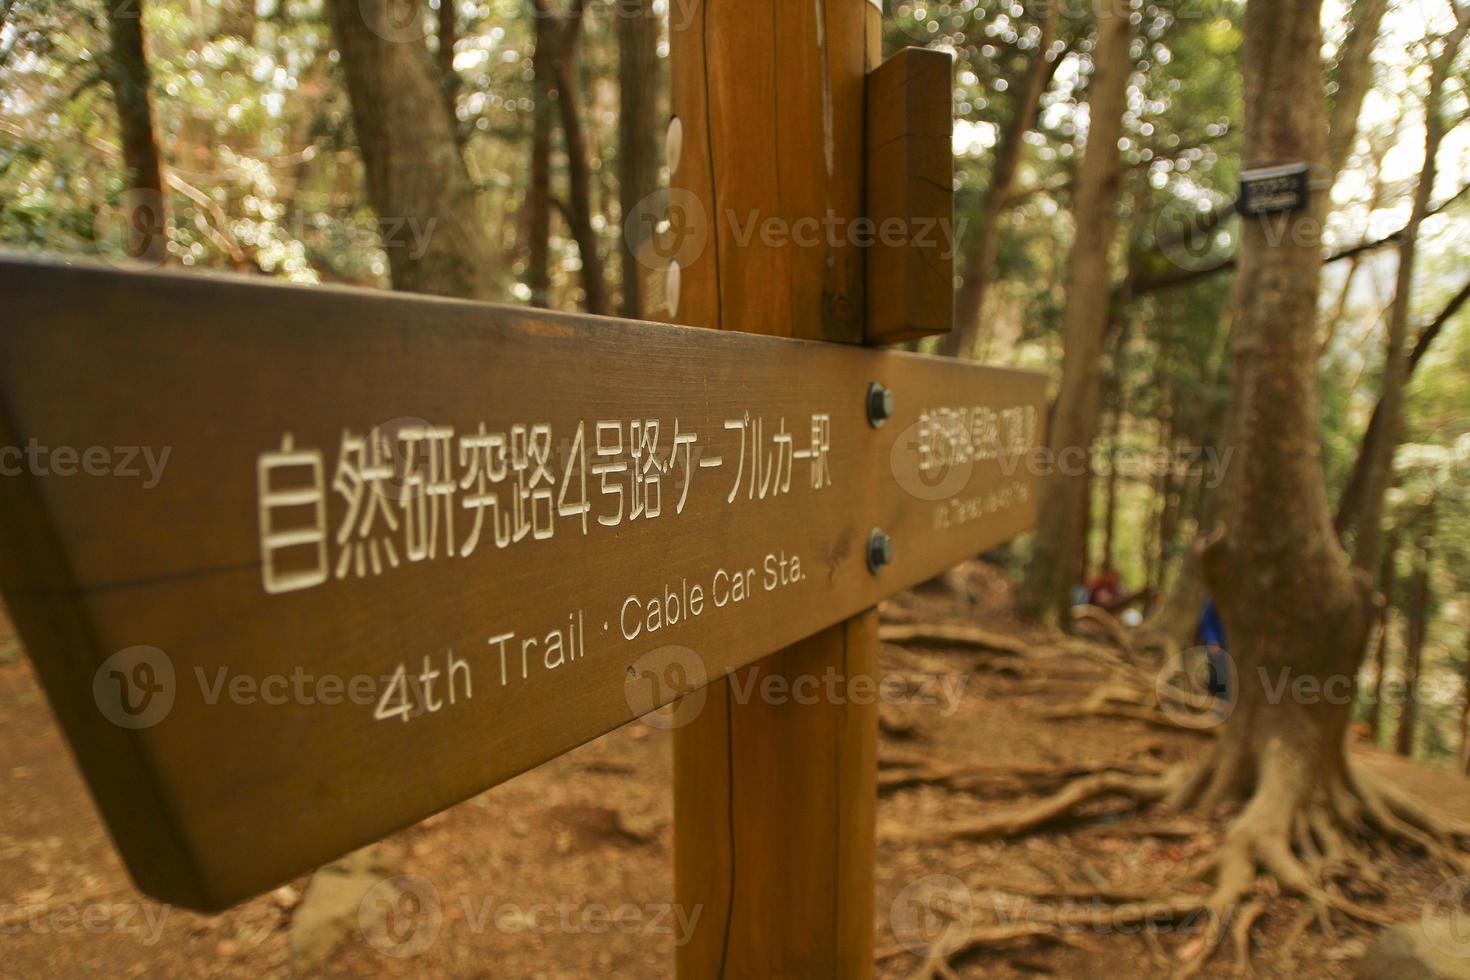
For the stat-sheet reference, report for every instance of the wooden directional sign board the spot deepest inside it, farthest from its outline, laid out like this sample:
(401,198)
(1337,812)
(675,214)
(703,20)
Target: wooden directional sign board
(401,549)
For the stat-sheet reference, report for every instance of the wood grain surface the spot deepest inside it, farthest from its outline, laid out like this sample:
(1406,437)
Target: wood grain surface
(227,794)
(910,197)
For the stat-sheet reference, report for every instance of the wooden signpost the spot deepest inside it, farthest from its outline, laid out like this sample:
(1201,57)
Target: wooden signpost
(403,549)
(395,550)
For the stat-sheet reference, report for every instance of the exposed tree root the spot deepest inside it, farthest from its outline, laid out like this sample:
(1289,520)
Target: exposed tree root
(936,962)
(901,771)
(996,644)
(943,634)
(1100,622)
(1308,837)
(1024,819)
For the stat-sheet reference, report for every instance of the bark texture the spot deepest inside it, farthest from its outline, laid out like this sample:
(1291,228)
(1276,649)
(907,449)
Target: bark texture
(562,33)
(416,177)
(1074,418)
(538,193)
(1293,606)
(146,236)
(638,117)
(1387,576)
(1418,632)
(984,234)
(1365,519)
(1351,501)
(1354,77)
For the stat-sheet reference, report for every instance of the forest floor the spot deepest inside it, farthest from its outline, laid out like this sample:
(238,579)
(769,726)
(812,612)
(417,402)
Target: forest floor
(567,871)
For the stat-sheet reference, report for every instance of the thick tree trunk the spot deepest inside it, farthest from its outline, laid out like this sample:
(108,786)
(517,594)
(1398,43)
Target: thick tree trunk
(984,233)
(1364,520)
(1058,543)
(146,235)
(416,177)
(1293,607)
(1418,630)
(1387,580)
(638,119)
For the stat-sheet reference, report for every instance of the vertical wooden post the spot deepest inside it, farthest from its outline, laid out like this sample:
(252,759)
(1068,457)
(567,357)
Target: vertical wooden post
(774,802)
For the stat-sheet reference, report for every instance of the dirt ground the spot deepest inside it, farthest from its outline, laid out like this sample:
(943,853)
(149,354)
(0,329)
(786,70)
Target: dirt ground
(566,871)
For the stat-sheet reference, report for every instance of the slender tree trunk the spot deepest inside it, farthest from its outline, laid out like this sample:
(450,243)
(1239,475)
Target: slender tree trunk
(1465,712)
(1364,519)
(1177,618)
(638,118)
(1332,321)
(1293,605)
(1387,581)
(416,177)
(1354,76)
(1074,415)
(538,191)
(1110,506)
(146,235)
(1414,647)
(448,37)
(1353,490)
(984,233)
(565,32)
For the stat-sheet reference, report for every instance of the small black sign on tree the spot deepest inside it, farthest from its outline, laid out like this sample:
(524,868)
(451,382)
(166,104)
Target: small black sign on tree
(1274,190)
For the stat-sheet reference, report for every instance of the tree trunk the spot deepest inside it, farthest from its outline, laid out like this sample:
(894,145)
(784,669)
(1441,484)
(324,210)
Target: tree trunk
(1418,624)
(1354,77)
(448,37)
(538,188)
(1387,576)
(416,177)
(1176,621)
(1364,518)
(1110,506)
(638,118)
(1074,415)
(564,33)
(146,233)
(1293,606)
(1465,712)
(984,233)
(1352,493)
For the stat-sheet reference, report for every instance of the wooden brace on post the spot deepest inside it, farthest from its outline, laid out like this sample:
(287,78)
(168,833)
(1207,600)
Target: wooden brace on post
(910,197)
